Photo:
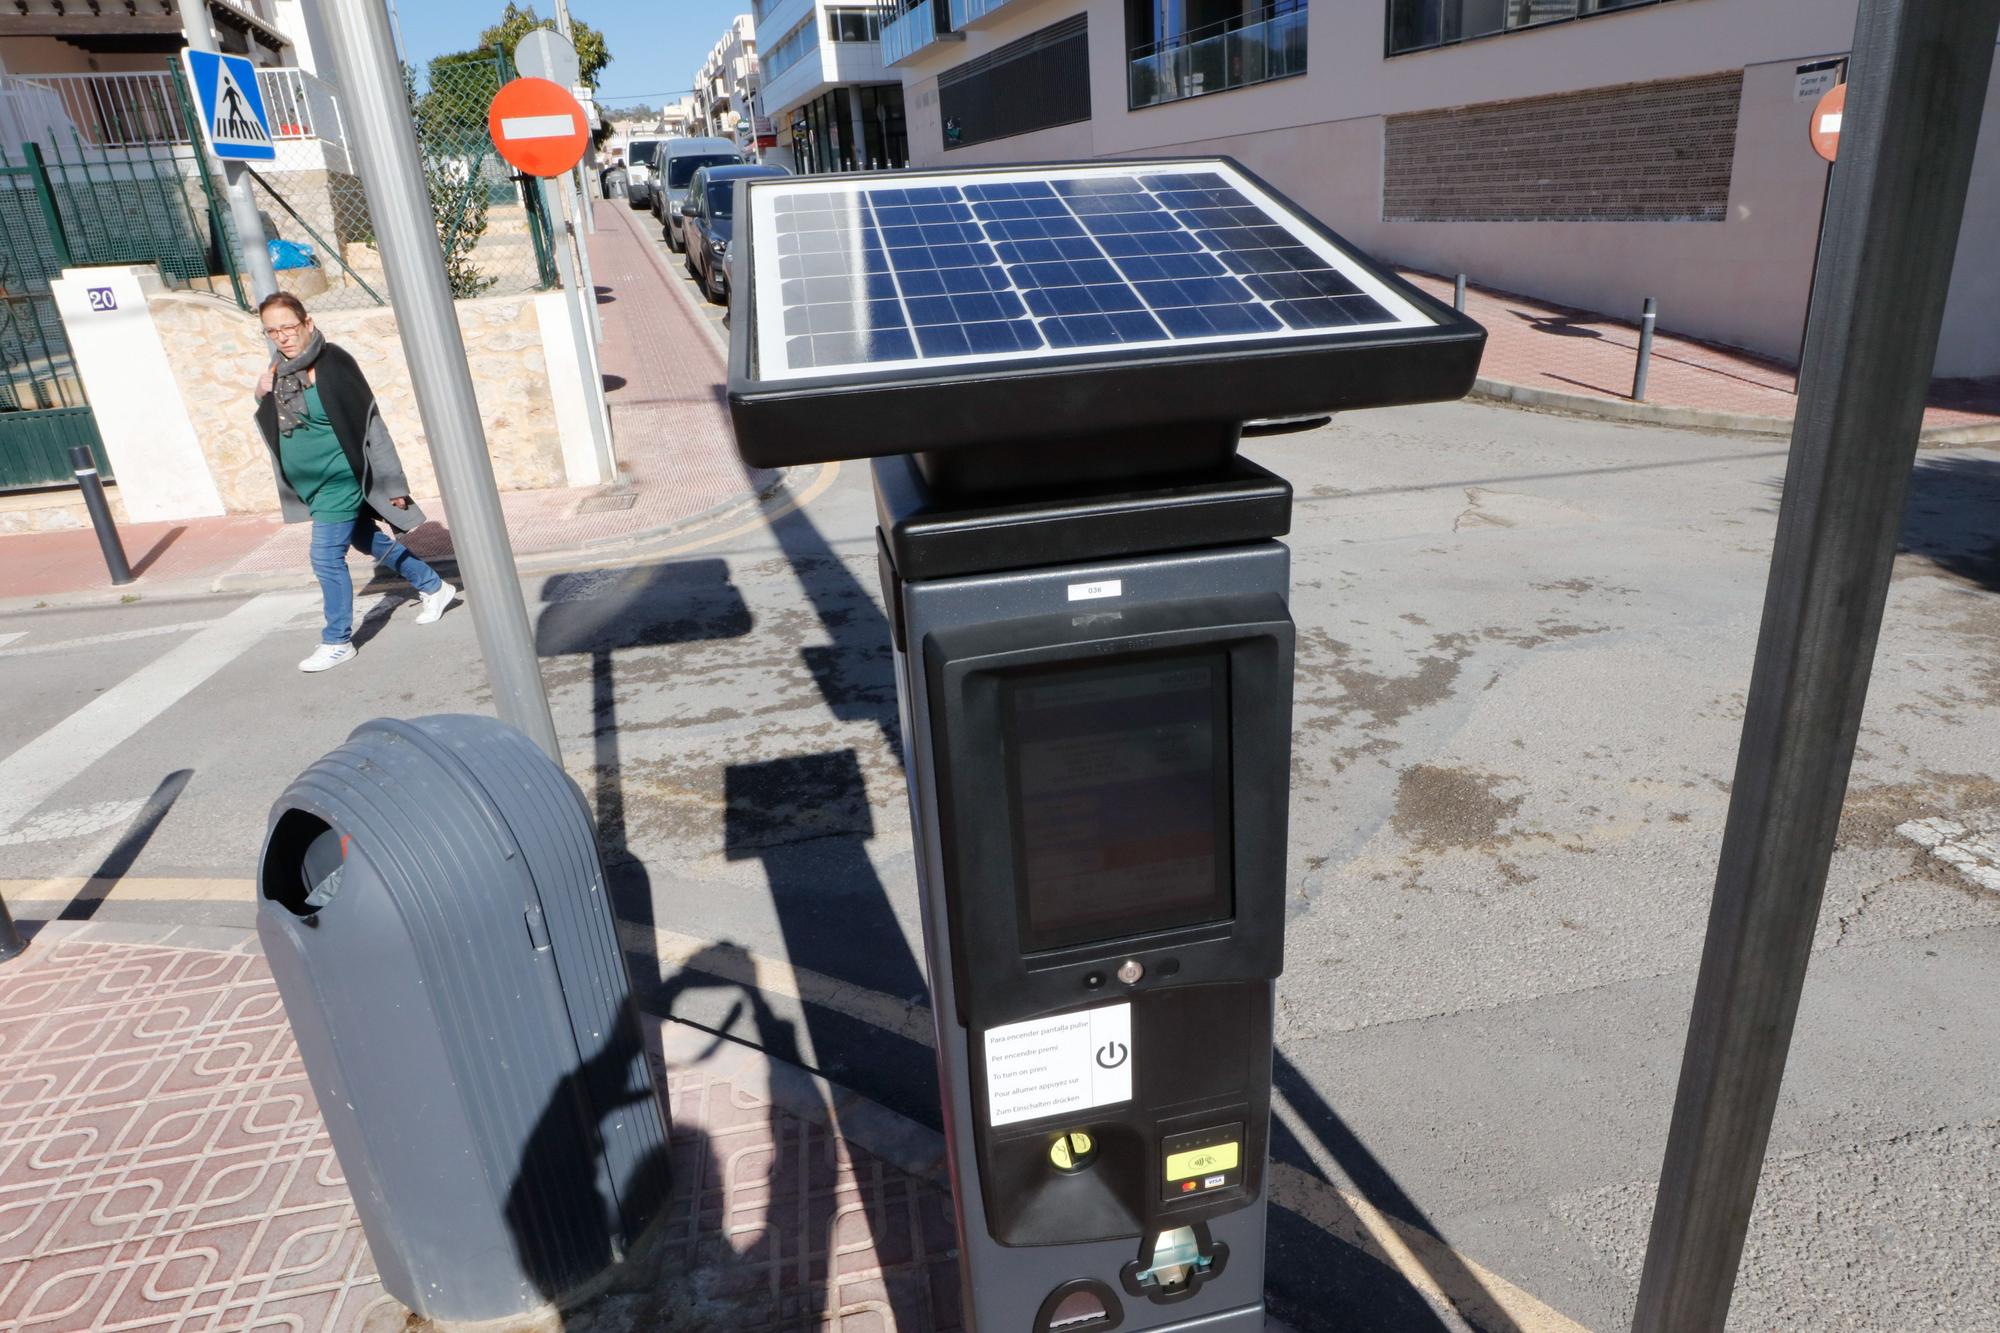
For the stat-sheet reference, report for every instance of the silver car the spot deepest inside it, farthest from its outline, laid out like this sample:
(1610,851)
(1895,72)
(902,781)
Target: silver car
(679,159)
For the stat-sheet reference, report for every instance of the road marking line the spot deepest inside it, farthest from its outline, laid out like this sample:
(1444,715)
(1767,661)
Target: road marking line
(93,640)
(76,821)
(6,639)
(49,762)
(1482,1297)
(130,889)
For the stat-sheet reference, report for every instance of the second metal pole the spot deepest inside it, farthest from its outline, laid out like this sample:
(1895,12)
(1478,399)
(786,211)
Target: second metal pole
(252,246)
(1918,87)
(586,350)
(385,144)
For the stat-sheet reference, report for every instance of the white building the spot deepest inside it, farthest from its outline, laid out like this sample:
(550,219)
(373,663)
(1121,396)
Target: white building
(727,86)
(832,104)
(1591,152)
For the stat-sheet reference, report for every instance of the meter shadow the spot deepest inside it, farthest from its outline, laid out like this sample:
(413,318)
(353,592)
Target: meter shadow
(1316,1281)
(806,820)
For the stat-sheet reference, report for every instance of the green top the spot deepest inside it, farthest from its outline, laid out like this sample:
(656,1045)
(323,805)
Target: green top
(317,467)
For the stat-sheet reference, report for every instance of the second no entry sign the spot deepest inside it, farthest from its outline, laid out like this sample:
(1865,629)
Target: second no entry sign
(538,127)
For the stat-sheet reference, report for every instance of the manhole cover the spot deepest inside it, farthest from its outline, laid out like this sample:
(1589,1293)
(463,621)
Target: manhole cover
(605,504)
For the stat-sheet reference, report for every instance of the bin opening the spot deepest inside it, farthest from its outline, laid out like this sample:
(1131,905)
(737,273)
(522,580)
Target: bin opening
(303,864)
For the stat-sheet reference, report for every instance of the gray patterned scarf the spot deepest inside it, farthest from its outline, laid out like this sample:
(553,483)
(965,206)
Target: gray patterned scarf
(289,383)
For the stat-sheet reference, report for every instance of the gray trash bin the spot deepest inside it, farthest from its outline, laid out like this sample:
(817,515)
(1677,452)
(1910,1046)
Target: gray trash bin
(435,914)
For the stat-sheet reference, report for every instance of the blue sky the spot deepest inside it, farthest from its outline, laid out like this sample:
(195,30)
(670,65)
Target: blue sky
(656,45)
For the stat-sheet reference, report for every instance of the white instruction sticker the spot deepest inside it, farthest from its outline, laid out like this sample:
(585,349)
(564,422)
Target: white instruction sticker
(1051,1066)
(1089,592)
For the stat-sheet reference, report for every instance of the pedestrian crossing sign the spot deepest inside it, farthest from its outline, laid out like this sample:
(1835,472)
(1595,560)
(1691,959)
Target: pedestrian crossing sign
(231,105)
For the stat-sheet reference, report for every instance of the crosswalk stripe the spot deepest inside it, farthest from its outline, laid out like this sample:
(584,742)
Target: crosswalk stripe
(40,769)
(93,640)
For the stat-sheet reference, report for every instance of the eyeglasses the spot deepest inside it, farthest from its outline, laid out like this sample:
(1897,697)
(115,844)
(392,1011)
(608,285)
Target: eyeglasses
(281,330)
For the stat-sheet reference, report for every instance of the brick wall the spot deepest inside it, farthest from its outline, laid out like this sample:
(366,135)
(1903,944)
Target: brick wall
(1642,152)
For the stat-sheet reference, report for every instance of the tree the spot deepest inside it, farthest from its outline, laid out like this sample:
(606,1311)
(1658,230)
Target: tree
(517,22)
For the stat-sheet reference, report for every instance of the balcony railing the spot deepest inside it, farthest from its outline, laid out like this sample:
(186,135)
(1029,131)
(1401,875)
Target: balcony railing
(1263,45)
(909,33)
(128,110)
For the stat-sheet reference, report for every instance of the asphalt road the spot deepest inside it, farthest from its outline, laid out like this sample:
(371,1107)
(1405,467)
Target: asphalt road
(1524,642)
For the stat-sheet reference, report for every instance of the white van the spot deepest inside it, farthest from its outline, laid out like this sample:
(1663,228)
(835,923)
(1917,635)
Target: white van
(641,156)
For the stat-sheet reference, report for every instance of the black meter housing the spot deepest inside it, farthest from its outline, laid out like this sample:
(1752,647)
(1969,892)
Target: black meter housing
(1051,368)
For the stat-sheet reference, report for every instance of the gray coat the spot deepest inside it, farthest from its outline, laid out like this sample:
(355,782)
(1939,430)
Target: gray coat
(363,435)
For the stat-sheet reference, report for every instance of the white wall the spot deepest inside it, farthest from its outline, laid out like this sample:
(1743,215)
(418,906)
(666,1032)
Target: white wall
(148,438)
(1318,138)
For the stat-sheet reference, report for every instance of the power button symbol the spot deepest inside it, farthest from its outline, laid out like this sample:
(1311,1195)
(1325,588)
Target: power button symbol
(1112,1054)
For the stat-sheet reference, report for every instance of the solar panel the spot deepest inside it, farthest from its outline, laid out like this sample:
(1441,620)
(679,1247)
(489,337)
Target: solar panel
(950,269)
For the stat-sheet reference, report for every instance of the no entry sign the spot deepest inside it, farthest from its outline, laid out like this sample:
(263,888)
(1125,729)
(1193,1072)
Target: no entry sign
(538,127)
(1826,119)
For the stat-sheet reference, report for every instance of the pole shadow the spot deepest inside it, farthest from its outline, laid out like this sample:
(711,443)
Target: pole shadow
(1953,518)
(118,862)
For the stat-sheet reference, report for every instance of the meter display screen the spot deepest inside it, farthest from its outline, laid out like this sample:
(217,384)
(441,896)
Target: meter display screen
(1119,781)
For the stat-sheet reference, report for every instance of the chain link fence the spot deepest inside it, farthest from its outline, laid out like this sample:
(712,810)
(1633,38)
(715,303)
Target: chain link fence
(493,234)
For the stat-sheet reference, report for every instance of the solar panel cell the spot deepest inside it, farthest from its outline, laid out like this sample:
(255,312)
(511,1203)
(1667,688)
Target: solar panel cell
(1096,257)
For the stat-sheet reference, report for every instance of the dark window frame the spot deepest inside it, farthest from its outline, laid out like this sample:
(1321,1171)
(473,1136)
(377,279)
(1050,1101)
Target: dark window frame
(1390,50)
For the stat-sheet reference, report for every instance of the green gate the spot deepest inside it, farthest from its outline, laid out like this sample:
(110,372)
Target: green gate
(120,183)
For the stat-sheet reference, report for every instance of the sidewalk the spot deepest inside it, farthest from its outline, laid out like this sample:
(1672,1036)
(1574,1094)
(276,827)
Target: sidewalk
(163,1166)
(1543,355)
(670,427)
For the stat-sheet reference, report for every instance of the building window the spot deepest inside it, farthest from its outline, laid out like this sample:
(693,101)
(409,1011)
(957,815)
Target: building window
(853,128)
(793,47)
(1187,48)
(1040,81)
(854,25)
(1419,25)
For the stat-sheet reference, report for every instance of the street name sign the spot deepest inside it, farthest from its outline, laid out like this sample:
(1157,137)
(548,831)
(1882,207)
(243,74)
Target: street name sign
(231,105)
(538,127)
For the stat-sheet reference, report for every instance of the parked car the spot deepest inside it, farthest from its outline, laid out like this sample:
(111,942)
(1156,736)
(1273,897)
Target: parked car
(640,157)
(708,223)
(679,160)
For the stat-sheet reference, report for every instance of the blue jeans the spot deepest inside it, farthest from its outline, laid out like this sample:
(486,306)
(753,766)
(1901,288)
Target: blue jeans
(329,560)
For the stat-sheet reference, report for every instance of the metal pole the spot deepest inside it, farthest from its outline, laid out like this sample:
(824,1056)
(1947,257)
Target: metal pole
(11,943)
(251,245)
(1918,85)
(1458,295)
(586,353)
(385,147)
(1647,315)
(100,513)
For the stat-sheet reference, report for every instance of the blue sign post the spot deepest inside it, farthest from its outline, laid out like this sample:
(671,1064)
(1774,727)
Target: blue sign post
(231,105)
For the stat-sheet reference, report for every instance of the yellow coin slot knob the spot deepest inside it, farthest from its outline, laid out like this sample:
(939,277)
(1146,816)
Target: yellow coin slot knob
(1059,1154)
(1203,1161)
(1072,1151)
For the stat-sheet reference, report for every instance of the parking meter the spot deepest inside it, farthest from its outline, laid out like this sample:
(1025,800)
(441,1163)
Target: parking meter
(1050,368)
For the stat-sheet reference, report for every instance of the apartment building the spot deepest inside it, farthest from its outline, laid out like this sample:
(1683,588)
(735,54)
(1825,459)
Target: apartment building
(726,87)
(1592,152)
(831,102)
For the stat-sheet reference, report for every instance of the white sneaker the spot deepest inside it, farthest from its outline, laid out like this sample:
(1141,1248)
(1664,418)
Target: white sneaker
(328,655)
(434,603)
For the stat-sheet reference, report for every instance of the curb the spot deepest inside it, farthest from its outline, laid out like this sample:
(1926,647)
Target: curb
(1694,418)
(228,584)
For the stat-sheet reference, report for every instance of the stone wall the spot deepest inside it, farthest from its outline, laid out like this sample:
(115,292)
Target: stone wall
(217,352)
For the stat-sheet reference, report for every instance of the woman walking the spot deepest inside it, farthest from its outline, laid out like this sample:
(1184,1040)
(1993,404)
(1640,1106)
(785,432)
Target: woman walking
(336,466)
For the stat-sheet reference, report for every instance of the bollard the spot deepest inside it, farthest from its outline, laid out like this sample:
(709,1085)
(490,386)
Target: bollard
(1645,350)
(1458,295)
(100,514)
(11,942)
